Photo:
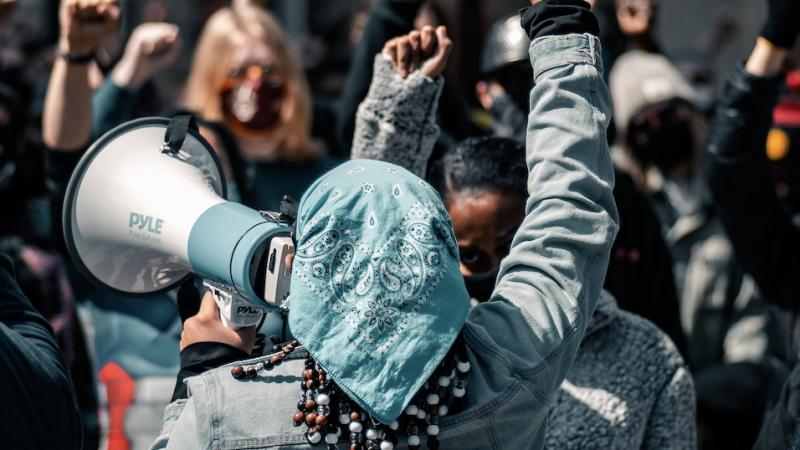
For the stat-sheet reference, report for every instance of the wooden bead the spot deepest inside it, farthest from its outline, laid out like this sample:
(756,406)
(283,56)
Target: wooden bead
(311,419)
(298,418)
(251,372)
(310,383)
(355,415)
(321,421)
(276,359)
(308,374)
(237,372)
(310,404)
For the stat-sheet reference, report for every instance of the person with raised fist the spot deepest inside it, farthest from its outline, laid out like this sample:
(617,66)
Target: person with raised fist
(763,233)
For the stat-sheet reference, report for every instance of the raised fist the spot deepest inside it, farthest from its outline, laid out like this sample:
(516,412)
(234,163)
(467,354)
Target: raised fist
(85,23)
(152,47)
(426,50)
(636,17)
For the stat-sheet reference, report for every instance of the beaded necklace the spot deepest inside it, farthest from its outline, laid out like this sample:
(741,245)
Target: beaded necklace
(328,413)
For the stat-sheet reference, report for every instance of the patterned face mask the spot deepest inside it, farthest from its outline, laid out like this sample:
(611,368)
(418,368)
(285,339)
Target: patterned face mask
(377,296)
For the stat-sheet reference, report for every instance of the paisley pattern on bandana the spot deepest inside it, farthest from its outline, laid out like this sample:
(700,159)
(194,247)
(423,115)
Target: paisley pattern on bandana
(377,297)
(383,287)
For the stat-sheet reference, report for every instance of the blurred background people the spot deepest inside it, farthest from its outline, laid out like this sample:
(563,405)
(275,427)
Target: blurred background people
(41,410)
(249,90)
(301,66)
(132,341)
(748,159)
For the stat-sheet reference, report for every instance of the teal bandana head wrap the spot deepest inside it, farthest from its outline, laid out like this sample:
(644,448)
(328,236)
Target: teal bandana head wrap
(377,297)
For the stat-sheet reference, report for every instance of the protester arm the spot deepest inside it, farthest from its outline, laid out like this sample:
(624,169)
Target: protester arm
(549,283)
(671,425)
(763,236)
(111,105)
(36,380)
(396,123)
(151,48)
(387,19)
(67,116)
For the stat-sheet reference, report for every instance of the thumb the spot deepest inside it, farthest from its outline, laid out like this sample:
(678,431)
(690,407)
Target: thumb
(208,307)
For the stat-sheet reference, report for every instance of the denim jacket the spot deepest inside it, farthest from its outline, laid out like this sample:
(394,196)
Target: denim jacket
(521,343)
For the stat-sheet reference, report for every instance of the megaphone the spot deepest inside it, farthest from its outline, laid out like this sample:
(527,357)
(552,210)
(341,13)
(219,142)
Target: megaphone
(146,207)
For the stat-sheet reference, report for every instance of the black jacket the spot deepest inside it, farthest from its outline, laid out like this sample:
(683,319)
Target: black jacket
(762,233)
(39,410)
(766,242)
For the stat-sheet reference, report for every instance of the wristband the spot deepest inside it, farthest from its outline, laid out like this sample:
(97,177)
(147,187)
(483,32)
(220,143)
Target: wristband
(73,58)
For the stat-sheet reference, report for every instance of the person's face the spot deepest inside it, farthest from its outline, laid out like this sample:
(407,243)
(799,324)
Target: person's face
(250,52)
(254,90)
(484,223)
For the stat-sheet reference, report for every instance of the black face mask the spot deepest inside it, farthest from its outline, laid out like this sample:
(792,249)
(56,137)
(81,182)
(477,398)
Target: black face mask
(480,286)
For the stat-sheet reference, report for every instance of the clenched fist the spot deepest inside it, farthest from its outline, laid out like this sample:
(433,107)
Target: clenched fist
(426,50)
(85,23)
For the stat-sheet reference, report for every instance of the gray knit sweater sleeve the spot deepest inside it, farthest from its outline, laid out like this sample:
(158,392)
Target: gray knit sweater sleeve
(396,123)
(672,422)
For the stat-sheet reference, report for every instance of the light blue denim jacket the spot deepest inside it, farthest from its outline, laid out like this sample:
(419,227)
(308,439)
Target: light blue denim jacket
(521,343)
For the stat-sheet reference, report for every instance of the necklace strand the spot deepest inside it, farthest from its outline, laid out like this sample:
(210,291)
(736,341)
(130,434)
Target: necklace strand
(329,414)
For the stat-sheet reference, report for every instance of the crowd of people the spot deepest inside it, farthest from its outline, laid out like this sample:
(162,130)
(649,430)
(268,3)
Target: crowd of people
(590,247)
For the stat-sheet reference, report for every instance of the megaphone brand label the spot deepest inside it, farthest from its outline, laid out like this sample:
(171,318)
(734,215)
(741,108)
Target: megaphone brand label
(247,310)
(144,227)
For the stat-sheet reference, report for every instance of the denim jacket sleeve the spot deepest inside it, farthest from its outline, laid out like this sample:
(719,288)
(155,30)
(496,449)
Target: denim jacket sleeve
(549,284)
(184,422)
(396,123)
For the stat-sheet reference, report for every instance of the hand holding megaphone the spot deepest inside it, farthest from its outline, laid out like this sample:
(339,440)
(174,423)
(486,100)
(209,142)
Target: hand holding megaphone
(205,326)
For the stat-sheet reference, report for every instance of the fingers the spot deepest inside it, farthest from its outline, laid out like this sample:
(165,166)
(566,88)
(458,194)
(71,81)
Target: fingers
(403,56)
(445,44)
(415,41)
(390,51)
(208,307)
(483,95)
(161,38)
(437,63)
(428,38)
(288,261)
(427,50)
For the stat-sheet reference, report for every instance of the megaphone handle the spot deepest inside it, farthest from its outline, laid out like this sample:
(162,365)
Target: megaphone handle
(224,304)
(234,312)
(176,132)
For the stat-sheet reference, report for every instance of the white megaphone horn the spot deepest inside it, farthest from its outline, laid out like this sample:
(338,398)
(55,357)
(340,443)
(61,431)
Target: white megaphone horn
(146,207)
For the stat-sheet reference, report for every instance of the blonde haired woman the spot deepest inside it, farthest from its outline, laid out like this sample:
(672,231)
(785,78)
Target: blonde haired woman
(251,95)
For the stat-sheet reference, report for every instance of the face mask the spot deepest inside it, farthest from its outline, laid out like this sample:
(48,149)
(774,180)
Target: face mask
(480,286)
(251,105)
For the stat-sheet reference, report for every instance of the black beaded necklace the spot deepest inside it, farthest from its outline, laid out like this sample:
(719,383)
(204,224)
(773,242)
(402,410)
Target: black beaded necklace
(328,413)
